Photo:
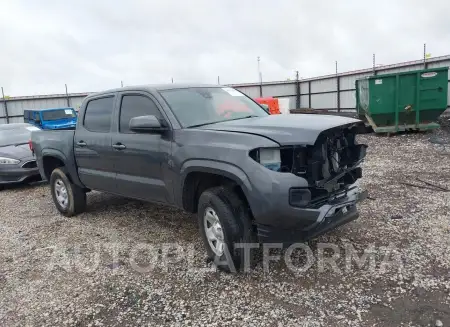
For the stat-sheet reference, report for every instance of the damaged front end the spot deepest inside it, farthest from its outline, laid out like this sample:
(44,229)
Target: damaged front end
(320,182)
(331,166)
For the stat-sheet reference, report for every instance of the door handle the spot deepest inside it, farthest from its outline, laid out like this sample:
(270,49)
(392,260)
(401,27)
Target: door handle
(81,143)
(119,146)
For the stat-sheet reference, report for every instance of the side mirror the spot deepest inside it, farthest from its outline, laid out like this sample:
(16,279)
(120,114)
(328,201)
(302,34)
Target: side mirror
(265,107)
(146,124)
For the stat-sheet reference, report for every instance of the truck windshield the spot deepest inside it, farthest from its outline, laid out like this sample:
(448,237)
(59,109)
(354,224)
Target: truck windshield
(208,105)
(58,114)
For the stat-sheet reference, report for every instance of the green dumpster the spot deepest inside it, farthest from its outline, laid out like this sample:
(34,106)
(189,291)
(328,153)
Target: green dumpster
(403,101)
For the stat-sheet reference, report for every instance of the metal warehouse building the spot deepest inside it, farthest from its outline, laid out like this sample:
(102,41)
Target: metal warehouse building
(331,92)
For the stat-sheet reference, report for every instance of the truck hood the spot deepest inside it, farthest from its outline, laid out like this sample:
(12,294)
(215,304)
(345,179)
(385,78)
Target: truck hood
(15,152)
(285,129)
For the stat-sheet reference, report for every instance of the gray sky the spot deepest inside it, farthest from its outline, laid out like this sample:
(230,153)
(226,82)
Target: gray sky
(94,44)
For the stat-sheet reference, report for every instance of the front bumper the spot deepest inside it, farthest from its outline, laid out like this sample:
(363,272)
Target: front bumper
(16,174)
(329,216)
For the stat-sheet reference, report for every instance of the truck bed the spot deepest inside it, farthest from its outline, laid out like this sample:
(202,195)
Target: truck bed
(59,144)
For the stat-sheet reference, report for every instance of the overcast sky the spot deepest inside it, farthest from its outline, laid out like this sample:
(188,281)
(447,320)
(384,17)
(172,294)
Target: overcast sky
(92,45)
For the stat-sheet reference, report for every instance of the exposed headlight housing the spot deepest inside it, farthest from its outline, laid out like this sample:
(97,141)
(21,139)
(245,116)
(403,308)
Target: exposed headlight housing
(268,157)
(8,161)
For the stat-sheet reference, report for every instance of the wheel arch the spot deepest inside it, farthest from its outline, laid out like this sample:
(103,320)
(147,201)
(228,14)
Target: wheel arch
(198,175)
(53,158)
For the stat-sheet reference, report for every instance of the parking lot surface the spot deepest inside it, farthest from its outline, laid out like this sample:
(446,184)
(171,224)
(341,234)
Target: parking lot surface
(114,265)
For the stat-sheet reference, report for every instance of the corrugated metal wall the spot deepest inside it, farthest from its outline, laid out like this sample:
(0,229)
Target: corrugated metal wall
(280,89)
(316,93)
(16,106)
(322,92)
(324,85)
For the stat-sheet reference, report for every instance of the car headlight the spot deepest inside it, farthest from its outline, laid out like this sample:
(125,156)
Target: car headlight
(268,157)
(8,161)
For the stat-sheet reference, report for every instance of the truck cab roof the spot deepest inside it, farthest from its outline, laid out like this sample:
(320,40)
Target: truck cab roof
(155,87)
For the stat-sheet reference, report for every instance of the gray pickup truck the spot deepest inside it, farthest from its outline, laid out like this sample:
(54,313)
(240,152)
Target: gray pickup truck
(211,150)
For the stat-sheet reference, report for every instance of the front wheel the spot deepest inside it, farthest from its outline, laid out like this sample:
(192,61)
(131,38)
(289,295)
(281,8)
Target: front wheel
(226,229)
(69,199)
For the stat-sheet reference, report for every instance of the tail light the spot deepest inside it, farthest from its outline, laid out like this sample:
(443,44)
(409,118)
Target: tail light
(30,144)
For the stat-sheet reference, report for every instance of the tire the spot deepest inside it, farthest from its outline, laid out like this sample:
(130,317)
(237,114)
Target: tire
(235,223)
(75,196)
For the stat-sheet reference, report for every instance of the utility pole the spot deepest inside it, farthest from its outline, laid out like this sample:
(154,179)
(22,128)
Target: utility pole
(425,55)
(297,78)
(373,64)
(260,77)
(338,89)
(67,96)
(259,70)
(6,106)
(218,80)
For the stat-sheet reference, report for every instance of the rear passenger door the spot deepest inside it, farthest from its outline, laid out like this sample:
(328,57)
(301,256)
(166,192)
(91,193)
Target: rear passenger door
(141,158)
(92,144)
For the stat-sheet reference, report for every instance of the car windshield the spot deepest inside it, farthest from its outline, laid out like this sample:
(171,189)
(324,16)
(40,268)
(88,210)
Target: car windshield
(15,135)
(207,105)
(58,114)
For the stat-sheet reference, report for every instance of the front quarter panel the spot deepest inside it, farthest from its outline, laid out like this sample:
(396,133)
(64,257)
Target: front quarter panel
(219,152)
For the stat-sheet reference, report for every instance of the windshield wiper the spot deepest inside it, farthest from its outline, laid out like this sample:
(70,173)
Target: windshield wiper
(222,121)
(245,117)
(198,125)
(17,144)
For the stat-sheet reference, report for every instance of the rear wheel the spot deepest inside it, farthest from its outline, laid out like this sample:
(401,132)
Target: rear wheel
(69,198)
(226,228)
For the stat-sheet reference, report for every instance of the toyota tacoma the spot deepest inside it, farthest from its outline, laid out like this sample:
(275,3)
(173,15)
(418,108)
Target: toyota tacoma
(211,150)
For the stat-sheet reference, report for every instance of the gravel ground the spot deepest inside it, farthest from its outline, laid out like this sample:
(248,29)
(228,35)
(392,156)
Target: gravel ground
(98,269)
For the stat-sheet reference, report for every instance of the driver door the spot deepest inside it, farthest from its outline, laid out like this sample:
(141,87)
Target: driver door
(141,158)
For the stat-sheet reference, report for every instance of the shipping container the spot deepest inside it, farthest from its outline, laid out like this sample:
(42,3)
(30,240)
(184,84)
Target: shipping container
(403,101)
